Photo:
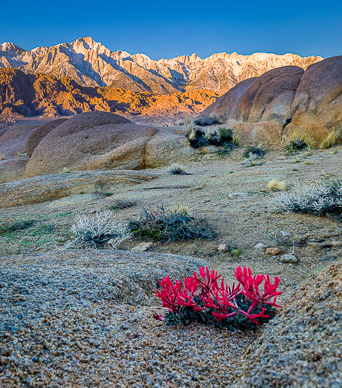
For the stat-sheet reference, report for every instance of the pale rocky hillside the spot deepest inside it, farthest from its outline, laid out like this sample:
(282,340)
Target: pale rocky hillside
(92,64)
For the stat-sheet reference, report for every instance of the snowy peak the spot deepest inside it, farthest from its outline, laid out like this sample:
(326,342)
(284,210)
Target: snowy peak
(90,63)
(8,48)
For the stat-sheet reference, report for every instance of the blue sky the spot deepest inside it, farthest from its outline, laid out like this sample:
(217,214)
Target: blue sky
(164,29)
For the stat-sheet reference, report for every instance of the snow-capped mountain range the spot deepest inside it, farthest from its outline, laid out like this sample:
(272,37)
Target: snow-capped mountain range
(90,63)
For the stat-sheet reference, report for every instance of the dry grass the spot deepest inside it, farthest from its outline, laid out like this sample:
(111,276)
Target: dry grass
(275,185)
(333,138)
(236,139)
(98,230)
(303,135)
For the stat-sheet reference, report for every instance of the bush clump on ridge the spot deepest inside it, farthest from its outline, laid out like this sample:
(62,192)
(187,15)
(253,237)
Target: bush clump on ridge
(202,297)
(225,137)
(204,121)
(170,224)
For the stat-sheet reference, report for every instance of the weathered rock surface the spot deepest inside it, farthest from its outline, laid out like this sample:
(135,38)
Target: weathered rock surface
(267,108)
(118,276)
(38,134)
(14,140)
(51,187)
(317,105)
(100,140)
(302,346)
(12,169)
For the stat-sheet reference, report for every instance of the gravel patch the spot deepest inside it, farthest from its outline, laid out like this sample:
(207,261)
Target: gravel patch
(302,346)
(65,321)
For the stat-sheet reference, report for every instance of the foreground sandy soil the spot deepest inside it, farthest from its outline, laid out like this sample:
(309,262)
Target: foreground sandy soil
(233,198)
(106,343)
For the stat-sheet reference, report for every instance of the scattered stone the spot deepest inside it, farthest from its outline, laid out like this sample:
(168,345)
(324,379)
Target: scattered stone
(260,246)
(223,248)
(273,251)
(237,195)
(142,247)
(336,244)
(287,258)
(324,244)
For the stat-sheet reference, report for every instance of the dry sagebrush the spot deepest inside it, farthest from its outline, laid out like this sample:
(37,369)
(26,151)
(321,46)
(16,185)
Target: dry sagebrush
(318,198)
(98,230)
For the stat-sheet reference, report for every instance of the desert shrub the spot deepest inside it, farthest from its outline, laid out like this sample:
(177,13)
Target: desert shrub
(253,160)
(188,124)
(197,138)
(120,204)
(255,151)
(17,226)
(296,145)
(298,140)
(202,297)
(225,150)
(95,231)
(226,135)
(213,138)
(204,121)
(170,224)
(237,252)
(318,198)
(275,185)
(177,169)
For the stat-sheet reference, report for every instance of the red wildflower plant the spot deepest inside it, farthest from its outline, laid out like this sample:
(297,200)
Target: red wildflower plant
(203,297)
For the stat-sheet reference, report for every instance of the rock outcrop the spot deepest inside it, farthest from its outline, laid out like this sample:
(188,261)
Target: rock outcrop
(267,108)
(100,140)
(51,187)
(14,141)
(120,277)
(90,63)
(303,344)
(317,106)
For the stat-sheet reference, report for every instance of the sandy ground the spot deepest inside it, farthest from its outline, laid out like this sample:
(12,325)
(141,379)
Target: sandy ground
(237,204)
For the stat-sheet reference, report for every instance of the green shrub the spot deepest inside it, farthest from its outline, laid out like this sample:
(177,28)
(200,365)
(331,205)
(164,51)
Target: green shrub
(177,169)
(296,145)
(197,138)
(226,135)
(17,226)
(204,121)
(254,150)
(169,225)
(120,204)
